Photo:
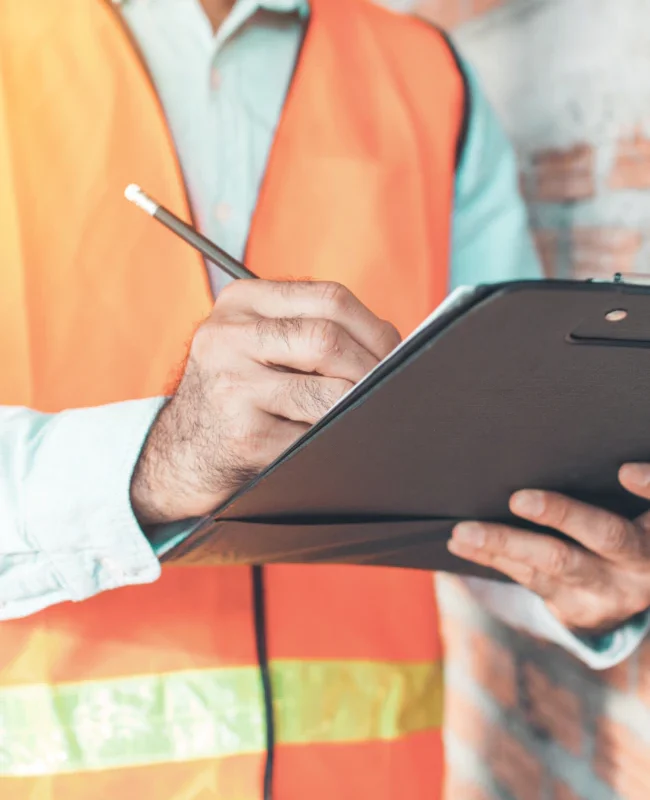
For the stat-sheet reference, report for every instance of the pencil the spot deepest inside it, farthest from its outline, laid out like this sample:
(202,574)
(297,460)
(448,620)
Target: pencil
(209,249)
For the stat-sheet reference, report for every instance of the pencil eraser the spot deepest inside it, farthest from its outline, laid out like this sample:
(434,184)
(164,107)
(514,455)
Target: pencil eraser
(135,194)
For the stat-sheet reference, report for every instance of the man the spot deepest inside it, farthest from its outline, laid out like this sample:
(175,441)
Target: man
(354,180)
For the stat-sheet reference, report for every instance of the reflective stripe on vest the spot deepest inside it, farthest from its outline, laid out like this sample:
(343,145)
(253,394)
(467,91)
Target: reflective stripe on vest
(98,304)
(126,722)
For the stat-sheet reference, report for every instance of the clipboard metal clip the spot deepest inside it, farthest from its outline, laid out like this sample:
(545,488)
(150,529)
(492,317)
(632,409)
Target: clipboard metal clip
(640,278)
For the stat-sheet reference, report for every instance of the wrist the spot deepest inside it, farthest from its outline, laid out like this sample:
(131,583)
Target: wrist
(167,484)
(152,488)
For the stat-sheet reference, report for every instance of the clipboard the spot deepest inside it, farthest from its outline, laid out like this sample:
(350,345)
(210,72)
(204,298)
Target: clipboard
(524,384)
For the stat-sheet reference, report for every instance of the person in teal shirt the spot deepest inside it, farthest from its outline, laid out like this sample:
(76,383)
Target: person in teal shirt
(222,76)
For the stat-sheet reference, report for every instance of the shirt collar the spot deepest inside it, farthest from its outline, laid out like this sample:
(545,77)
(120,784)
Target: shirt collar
(250,6)
(243,10)
(300,7)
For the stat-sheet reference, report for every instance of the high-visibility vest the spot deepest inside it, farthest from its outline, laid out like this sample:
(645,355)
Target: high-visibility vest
(154,691)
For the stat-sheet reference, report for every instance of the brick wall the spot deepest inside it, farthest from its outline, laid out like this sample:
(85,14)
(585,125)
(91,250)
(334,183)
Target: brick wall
(570,79)
(527,722)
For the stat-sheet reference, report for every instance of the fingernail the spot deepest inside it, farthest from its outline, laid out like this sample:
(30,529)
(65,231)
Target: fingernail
(471,534)
(638,474)
(528,503)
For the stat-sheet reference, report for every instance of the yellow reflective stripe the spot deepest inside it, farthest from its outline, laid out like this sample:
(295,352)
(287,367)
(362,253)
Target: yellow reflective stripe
(184,716)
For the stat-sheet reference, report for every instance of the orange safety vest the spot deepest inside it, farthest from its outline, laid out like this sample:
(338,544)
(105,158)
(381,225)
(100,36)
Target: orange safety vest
(154,692)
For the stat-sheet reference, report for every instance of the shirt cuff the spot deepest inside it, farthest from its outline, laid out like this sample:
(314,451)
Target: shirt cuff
(602,651)
(164,538)
(526,611)
(77,506)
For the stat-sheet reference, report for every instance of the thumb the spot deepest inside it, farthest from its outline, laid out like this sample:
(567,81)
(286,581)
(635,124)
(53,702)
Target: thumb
(636,479)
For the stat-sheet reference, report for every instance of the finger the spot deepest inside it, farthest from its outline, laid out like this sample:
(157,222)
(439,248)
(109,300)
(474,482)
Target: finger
(281,434)
(317,300)
(553,560)
(297,397)
(636,479)
(306,345)
(605,534)
(258,446)
(590,604)
(263,440)
(522,574)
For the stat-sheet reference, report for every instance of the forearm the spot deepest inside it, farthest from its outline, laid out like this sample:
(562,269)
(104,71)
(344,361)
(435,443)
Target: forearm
(67,527)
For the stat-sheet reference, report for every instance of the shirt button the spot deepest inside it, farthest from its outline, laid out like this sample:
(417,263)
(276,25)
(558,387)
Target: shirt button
(215,79)
(222,212)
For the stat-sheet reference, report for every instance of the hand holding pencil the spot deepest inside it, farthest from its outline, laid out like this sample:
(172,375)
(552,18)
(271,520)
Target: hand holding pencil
(269,361)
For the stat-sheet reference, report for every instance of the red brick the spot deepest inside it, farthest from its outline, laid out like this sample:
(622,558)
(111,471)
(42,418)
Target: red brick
(631,168)
(643,686)
(618,677)
(546,242)
(458,789)
(622,760)
(514,766)
(466,721)
(494,668)
(554,710)
(600,252)
(562,792)
(564,175)
(447,13)
(456,632)
(481,6)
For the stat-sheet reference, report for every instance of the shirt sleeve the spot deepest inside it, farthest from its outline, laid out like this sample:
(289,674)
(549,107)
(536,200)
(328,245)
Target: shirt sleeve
(67,529)
(491,243)
(525,611)
(490,236)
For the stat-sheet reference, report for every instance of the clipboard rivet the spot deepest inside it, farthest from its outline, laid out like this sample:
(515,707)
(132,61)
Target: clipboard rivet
(617,315)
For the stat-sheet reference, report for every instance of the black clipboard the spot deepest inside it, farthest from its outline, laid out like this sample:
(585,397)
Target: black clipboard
(538,384)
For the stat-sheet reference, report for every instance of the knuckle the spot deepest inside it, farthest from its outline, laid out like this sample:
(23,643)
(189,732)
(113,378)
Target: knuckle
(614,535)
(336,296)
(326,337)
(205,342)
(389,336)
(559,558)
(228,293)
(526,574)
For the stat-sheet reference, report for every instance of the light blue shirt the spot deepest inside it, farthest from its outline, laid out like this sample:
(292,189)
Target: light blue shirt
(67,527)
(223,96)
